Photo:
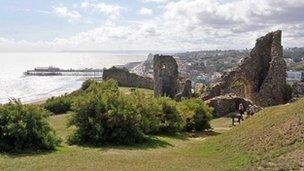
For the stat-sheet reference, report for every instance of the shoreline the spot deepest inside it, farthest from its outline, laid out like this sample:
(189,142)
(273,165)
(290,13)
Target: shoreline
(37,101)
(42,100)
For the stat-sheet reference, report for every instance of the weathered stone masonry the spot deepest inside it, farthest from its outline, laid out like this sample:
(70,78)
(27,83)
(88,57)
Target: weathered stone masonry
(127,79)
(165,76)
(263,73)
(186,93)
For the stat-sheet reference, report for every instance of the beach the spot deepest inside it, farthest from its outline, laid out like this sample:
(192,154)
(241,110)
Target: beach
(34,89)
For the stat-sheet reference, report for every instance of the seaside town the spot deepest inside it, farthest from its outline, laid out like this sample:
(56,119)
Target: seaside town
(206,67)
(202,67)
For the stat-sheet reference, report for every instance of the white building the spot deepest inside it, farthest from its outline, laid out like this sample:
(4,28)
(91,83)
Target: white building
(294,76)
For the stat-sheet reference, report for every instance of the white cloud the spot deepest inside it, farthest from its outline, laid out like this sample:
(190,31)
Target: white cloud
(145,11)
(187,25)
(156,1)
(113,11)
(242,15)
(70,15)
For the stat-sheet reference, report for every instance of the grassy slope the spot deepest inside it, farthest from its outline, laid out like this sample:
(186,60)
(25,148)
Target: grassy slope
(127,90)
(273,139)
(159,153)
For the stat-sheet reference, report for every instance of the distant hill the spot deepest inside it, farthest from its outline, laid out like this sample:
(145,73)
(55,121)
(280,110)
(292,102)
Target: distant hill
(272,139)
(214,60)
(212,63)
(221,60)
(294,53)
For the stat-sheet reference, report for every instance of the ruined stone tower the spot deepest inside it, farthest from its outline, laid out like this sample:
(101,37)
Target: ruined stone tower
(186,93)
(165,76)
(263,73)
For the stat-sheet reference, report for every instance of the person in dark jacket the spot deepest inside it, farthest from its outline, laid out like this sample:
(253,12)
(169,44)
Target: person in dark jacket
(241,110)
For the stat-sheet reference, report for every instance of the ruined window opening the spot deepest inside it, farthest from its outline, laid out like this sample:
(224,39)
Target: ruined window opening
(164,66)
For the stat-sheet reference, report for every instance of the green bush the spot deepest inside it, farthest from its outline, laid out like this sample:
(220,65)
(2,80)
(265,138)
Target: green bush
(196,115)
(58,105)
(102,114)
(171,121)
(149,110)
(85,85)
(100,87)
(106,117)
(63,104)
(25,128)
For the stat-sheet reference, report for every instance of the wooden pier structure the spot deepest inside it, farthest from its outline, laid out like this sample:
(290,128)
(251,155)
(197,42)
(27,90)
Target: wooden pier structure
(52,71)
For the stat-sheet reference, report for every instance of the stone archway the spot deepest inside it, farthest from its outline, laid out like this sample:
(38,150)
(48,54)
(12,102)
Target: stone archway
(241,88)
(263,73)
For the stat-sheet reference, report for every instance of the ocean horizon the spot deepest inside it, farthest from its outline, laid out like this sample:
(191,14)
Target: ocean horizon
(14,85)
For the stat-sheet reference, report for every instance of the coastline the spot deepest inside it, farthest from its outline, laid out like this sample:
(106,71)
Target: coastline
(40,101)
(37,101)
(36,90)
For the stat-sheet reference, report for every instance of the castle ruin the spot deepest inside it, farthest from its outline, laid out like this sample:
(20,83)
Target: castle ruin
(127,79)
(165,76)
(263,74)
(186,93)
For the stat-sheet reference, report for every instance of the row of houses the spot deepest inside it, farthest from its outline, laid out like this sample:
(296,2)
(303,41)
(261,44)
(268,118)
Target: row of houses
(293,76)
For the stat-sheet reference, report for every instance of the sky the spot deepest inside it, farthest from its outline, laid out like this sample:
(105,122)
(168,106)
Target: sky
(167,25)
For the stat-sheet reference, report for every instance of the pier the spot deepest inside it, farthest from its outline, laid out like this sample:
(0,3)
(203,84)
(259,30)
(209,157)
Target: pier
(53,71)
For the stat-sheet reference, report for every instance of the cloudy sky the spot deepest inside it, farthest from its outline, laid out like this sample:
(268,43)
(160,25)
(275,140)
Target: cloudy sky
(53,25)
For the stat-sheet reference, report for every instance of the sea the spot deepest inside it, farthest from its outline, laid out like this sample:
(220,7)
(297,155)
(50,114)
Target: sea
(29,89)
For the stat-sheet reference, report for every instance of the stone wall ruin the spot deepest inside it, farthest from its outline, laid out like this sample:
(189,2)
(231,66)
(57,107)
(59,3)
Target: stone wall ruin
(226,104)
(263,73)
(127,79)
(186,92)
(165,76)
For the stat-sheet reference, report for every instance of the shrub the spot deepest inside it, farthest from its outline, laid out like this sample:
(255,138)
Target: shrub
(149,110)
(25,128)
(102,114)
(171,121)
(196,115)
(63,104)
(85,85)
(106,117)
(100,87)
(58,105)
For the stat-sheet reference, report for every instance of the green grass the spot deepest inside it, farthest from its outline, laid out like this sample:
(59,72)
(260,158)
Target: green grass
(271,139)
(221,125)
(127,90)
(158,153)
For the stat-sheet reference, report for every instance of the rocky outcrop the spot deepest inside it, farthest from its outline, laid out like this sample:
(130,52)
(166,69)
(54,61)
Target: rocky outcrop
(263,73)
(127,79)
(186,93)
(165,76)
(223,105)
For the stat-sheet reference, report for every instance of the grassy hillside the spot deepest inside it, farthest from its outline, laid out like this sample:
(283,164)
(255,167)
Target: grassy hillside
(273,139)
(159,153)
(127,90)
